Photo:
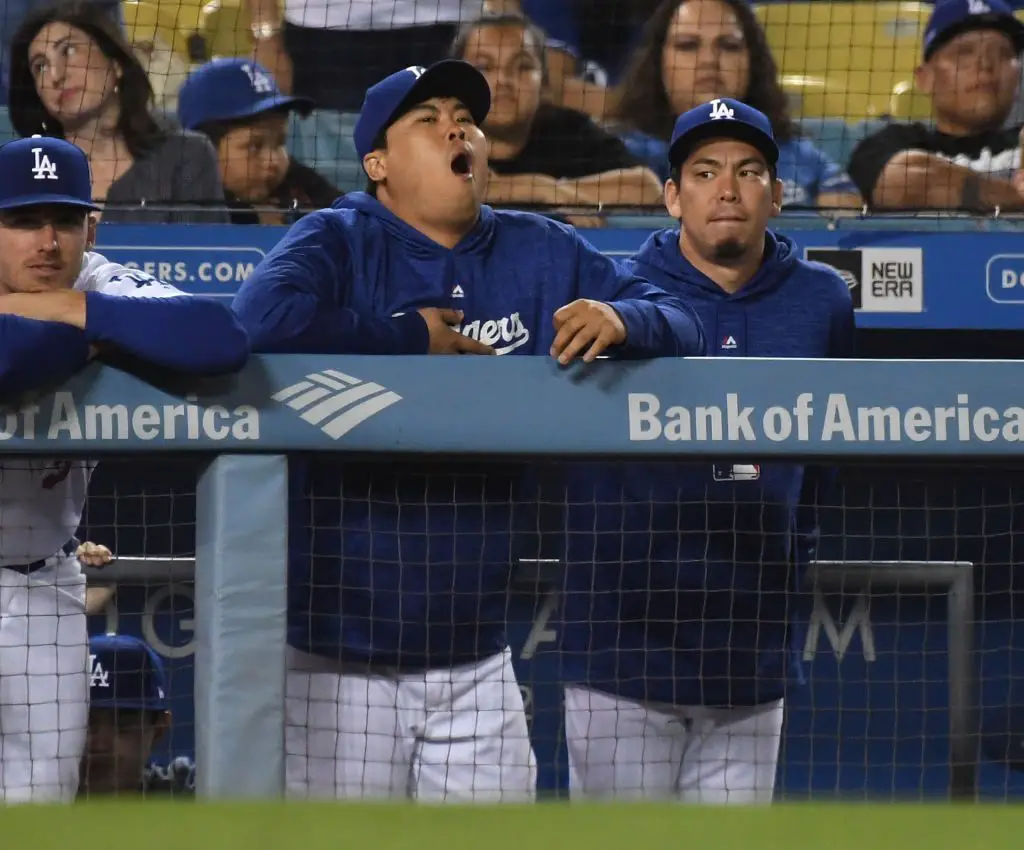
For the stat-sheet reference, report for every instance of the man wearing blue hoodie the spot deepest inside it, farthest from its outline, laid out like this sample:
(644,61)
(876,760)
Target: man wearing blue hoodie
(401,681)
(677,626)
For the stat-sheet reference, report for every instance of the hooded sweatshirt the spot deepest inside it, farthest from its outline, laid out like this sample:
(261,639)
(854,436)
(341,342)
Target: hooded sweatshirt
(407,564)
(682,580)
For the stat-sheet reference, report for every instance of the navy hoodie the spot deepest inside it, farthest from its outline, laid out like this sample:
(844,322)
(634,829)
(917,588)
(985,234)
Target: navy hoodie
(682,580)
(407,564)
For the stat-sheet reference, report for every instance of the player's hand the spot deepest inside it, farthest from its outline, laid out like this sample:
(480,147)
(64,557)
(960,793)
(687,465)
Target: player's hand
(587,327)
(94,555)
(444,339)
(97,597)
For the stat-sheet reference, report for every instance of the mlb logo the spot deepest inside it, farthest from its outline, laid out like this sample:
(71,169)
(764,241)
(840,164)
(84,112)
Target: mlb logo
(737,471)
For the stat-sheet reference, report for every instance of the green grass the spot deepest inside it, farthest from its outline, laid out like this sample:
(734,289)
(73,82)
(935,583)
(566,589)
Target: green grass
(301,826)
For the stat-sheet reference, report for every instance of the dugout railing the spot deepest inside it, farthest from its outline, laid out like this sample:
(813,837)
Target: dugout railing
(243,428)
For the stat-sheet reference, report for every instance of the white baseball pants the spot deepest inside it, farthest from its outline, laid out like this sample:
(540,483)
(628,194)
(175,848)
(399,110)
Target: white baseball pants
(44,681)
(456,735)
(648,751)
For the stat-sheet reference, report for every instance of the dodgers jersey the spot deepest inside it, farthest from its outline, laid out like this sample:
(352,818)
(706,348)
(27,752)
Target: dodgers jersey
(406,564)
(41,501)
(683,581)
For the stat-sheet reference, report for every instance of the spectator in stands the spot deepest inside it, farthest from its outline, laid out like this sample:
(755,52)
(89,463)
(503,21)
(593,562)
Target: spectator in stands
(157,44)
(696,50)
(128,715)
(332,51)
(73,76)
(969,161)
(540,153)
(236,103)
(588,43)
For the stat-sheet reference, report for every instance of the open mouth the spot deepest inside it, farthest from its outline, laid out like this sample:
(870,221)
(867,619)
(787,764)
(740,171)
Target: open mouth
(462,164)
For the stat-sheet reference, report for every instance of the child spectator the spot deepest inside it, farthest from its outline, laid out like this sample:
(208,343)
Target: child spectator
(74,76)
(238,106)
(540,153)
(693,51)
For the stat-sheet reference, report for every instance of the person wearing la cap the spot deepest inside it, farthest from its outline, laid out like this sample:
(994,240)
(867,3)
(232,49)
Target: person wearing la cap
(128,714)
(676,631)
(408,582)
(61,305)
(967,160)
(237,105)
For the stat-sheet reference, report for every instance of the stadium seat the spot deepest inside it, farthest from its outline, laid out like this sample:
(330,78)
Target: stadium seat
(833,136)
(151,20)
(324,141)
(861,51)
(908,103)
(221,23)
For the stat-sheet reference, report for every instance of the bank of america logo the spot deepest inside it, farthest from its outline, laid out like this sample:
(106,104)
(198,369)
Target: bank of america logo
(336,402)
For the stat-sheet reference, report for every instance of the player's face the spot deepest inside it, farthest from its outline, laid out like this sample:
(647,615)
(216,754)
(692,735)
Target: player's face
(511,62)
(724,199)
(972,79)
(42,247)
(253,159)
(704,56)
(74,78)
(118,747)
(435,163)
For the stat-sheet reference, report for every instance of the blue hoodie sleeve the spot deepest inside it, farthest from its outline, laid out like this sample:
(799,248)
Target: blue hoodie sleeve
(189,334)
(657,324)
(35,353)
(297,300)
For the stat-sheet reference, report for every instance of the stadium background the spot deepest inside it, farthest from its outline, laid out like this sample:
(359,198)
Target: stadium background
(873,728)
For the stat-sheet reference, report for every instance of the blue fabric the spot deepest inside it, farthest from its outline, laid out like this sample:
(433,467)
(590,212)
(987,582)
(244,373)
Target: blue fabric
(952,16)
(681,580)
(805,172)
(125,672)
(228,89)
(44,170)
(404,564)
(34,354)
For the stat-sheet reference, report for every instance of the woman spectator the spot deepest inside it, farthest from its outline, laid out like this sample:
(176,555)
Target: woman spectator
(541,154)
(238,106)
(74,76)
(696,50)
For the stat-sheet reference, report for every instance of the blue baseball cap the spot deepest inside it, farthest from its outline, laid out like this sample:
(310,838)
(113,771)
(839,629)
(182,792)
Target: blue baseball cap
(722,118)
(125,672)
(952,17)
(392,97)
(44,170)
(231,89)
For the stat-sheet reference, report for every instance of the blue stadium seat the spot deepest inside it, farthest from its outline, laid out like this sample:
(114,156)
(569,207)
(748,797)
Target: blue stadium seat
(6,128)
(324,142)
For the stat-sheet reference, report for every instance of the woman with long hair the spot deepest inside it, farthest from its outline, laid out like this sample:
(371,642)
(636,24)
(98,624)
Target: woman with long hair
(693,51)
(73,76)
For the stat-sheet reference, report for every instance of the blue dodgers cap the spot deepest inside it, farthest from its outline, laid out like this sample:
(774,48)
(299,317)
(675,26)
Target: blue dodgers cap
(231,89)
(722,118)
(389,99)
(125,672)
(952,17)
(44,170)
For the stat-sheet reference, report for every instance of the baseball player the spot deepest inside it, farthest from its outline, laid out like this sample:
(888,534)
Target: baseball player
(61,304)
(676,629)
(127,714)
(401,680)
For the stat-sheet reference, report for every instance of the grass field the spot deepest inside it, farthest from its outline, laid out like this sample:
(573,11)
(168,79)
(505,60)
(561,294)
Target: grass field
(297,826)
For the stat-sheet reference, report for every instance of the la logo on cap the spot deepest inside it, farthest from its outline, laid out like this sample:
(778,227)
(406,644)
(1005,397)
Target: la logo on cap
(44,169)
(417,70)
(259,80)
(720,110)
(978,7)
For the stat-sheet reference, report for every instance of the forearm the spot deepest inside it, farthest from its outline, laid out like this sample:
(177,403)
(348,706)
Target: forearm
(920,180)
(521,189)
(660,328)
(34,353)
(628,187)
